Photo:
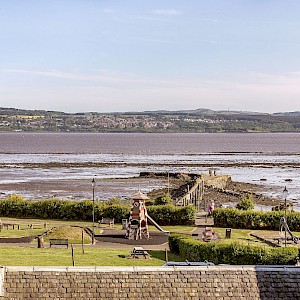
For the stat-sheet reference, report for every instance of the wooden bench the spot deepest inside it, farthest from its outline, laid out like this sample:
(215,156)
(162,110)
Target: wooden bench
(59,242)
(138,252)
(7,225)
(107,221)
(37,225)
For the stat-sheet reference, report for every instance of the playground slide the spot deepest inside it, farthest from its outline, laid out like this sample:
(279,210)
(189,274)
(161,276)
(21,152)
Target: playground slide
(155,224)
(285,226)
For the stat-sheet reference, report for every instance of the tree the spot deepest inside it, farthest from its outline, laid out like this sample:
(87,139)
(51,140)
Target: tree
(166,199)
(246,203)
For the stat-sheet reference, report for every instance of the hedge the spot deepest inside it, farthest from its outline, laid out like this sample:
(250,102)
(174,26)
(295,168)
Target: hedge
(17,207)
(234,253)
(62,209)
(235,218)
(172,215)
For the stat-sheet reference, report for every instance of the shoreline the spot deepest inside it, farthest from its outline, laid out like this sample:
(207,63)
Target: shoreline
(123,188)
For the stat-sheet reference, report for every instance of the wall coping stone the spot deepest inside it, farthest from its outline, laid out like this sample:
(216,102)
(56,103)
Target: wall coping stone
(260,268)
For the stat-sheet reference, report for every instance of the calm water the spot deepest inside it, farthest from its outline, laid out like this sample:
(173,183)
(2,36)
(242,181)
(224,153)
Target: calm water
(246,157)
(139,143)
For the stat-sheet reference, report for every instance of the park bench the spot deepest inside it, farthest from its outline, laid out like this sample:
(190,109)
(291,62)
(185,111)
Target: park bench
(138,252)
(59,242)
(18,225)
(37,225)
(7,225)
(107,221)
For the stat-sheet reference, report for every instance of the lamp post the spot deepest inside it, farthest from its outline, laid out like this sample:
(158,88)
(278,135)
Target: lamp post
(285,193)
(168,183)
(93,186)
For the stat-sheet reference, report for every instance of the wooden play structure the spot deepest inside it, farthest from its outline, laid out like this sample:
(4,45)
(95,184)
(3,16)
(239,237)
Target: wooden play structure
(138,223)
(137,227)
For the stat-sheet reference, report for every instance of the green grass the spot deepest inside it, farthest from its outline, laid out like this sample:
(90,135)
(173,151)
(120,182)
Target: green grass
(15,233)
(241,235)
(50,223)
(24,256)
(53,223)
(73,234)
(235,233)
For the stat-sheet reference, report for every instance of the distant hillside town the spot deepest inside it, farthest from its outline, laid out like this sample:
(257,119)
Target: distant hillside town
(200,120)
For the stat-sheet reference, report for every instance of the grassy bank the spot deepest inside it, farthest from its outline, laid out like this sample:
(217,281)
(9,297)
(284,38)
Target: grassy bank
(24,256)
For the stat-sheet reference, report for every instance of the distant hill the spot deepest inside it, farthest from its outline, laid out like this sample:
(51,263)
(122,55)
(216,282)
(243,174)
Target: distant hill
(204,111)
(26,112)
(198,120)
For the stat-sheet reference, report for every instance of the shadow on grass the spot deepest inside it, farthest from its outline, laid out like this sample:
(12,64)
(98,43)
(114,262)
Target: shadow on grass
(159,254)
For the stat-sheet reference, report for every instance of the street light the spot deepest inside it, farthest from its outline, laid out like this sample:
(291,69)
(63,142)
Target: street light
(93,186)
(285,193)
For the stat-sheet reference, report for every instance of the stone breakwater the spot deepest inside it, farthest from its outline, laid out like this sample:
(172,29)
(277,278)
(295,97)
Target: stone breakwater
(213,282)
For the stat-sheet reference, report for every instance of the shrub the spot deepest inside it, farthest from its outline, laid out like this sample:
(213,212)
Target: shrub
(117,212)
(236,218)
(164,200)
(234,253)
(15,207)
(83,211)
(246,203)
(172,215)
(113,201)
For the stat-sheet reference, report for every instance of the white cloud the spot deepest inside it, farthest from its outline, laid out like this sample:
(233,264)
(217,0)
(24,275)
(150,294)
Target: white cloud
(169,12)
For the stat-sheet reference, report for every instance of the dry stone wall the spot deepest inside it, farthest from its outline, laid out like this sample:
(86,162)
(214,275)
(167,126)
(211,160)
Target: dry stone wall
(217,182)
(213,282)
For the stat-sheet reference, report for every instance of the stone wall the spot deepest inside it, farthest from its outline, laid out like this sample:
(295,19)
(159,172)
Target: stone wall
(217,182)
(213,282)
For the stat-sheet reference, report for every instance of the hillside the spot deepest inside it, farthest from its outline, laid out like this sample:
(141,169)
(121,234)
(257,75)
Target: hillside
(199,120)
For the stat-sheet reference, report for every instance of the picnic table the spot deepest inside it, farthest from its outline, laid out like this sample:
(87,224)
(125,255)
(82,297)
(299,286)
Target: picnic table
(138,252)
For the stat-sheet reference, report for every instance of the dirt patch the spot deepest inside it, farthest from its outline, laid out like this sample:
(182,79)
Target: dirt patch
(118,236)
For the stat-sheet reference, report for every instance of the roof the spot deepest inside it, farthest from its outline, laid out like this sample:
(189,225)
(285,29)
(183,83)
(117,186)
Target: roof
(139,196)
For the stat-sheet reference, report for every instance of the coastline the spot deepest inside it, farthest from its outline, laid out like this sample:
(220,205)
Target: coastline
(123,188)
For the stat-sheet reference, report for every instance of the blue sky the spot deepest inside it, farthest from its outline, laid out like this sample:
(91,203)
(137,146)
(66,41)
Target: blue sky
(100,55)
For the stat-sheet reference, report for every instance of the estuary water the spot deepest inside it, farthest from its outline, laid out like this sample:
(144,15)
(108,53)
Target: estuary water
(269,159)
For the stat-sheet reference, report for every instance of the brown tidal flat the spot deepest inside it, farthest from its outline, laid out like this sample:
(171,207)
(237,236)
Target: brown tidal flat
(79,189)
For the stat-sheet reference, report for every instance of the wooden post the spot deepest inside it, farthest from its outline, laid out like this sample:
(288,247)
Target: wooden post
(73,258)
(166,251)
(82,242)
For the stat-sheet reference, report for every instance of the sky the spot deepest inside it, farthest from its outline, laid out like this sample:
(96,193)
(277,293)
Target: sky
(133,55)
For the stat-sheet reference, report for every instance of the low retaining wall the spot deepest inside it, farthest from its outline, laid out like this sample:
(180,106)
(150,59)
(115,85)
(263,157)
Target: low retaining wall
(213,282)
(217,182)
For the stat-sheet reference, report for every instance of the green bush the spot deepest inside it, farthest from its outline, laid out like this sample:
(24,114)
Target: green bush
(164,200)
(14,206)
(172,215)
(17,207)
(234,253)
(236,218)
(246,203)
(117,211)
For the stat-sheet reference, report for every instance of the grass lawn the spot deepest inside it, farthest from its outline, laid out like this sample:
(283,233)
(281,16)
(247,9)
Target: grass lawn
(50,223)
(56,223)
(24,256)
(15,233)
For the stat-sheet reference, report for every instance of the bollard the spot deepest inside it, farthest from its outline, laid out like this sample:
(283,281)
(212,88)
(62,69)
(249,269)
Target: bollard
(40,242)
